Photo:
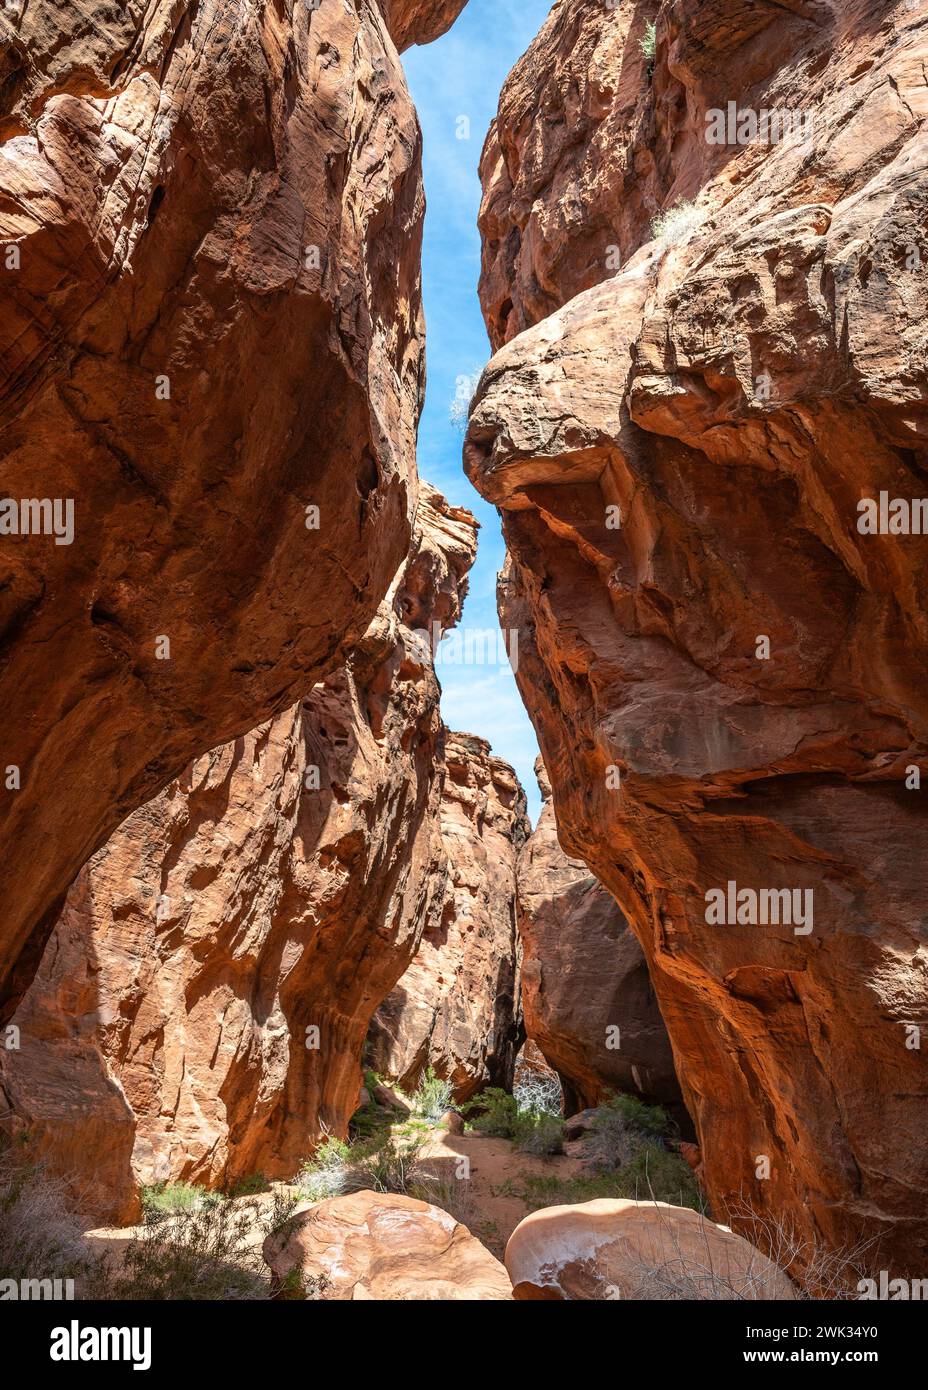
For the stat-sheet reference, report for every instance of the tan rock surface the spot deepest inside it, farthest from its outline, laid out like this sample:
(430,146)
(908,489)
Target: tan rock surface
(616,1249)
(587,998)
(210,227)
(733,393)
(201,1007)
(457,1007)
(378,1245)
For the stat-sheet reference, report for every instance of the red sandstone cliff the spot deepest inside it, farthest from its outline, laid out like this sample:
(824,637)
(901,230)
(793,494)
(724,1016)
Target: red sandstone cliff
(201,1006)
(587,997)
(457,1006)
(679,448)
(210,226)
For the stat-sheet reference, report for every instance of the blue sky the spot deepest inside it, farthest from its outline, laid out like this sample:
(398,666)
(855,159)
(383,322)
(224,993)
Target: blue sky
(461,75)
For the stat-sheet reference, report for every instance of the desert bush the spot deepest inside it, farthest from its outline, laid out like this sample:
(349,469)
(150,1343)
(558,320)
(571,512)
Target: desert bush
(432,1097)
(621,1128)
(386,1163)
(535,1132)
(537,1092)
(649,40)
(499,1115)
(676,224)
(819,1271)
(207,1252)
(390,1165)
(163,1199)
(453,1195)
(494,1113)
(249,1186)
(326,1173)
(40,1235)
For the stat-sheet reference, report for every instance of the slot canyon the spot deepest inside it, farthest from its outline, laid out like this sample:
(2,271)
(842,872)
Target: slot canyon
(352,950)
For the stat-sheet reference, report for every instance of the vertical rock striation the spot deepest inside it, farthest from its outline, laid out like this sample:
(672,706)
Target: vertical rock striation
(457,1007)
(587,998)
(210,230)
(724,665)
(201,1007)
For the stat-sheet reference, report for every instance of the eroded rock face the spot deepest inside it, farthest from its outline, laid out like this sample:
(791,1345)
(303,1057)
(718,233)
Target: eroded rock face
(419,21)
(679,452)
(457,1007)
(210,229)
(202,1004)
(587,997)
(616,1249)
(381,1246)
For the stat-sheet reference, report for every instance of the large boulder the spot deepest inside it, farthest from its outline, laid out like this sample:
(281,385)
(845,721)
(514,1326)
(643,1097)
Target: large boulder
(636,1250)
(724,664)
(457,1008)
(379,1245)
(210,231)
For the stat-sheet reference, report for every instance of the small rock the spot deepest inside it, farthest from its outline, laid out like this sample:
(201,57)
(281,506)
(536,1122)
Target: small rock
(390,1099)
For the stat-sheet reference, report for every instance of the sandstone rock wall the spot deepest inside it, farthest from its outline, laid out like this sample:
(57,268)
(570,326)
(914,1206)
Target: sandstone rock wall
(587,997)
(201,1006)
(210,321)
(679,449)
(457,1007)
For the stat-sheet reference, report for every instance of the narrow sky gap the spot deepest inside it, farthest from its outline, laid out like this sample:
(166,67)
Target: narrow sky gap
(461,76)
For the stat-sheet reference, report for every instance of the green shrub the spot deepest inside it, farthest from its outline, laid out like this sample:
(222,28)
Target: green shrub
(649,1119)
(536,1132)
(654,1175)
(621,1127)
(432,1097)
(164,1199)
(204,1253)
(326,1173)
(498,1115)
(649,41)
(249,1186)
(494,1112)
(386,1163)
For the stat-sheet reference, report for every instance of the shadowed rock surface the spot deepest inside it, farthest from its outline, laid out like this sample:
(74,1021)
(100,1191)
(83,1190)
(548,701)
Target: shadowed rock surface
(457,1007)
(587,998)
(679,450)
(210,226)
(202,1004)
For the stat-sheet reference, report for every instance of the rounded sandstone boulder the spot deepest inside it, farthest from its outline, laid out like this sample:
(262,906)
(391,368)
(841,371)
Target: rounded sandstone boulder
(379,1245)
(617,1249)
